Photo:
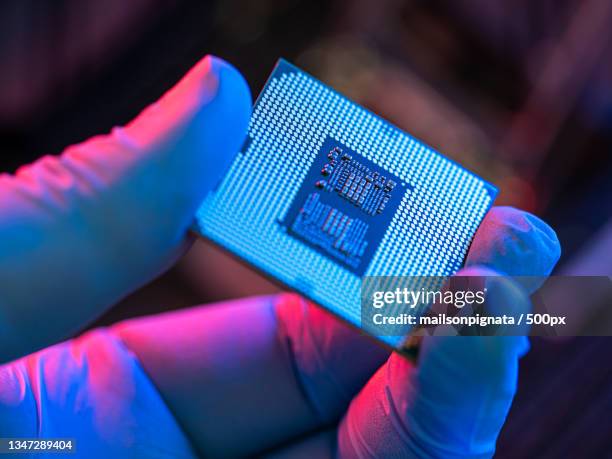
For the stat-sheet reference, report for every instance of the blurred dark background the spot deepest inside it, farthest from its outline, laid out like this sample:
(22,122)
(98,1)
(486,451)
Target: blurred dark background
(519,91)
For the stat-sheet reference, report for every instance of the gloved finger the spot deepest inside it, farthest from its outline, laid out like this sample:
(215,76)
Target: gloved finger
(526,247)
(92,391)
(453,403)
(263,370)
(283,366)
(79,231)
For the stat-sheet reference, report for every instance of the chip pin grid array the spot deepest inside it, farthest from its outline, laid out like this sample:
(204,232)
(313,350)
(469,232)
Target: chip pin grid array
(428,235)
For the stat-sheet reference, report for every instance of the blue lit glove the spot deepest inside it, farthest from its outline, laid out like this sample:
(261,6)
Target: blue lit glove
(270,375)
(80,231)
(454,402)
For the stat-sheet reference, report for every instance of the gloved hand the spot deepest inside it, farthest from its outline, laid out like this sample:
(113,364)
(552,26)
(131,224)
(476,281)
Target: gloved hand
(271,375)
(80,231)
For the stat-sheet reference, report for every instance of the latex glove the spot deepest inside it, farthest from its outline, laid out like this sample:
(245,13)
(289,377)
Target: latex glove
(274,375)
(279,371)
(79,231)
(259,375)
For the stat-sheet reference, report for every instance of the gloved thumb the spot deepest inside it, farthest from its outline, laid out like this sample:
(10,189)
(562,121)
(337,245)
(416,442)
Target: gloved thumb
(81,230)
(451,404)
(454,401)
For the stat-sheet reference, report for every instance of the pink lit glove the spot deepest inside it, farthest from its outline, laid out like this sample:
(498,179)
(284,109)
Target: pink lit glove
(272,375)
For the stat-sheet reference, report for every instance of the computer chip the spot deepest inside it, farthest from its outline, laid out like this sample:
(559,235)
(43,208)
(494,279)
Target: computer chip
(325,192)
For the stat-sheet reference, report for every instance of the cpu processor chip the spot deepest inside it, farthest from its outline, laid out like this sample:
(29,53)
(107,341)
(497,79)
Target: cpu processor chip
(324,192)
